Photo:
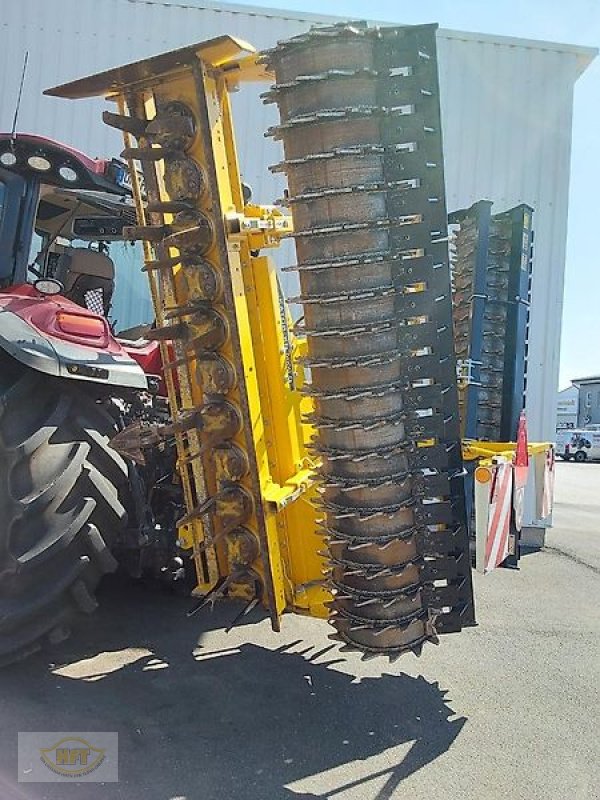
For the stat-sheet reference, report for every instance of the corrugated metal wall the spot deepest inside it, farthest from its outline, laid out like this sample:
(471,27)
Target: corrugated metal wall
(507,138)
(506,106)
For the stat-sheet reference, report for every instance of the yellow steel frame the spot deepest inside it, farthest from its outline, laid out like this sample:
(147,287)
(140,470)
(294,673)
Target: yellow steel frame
(265,354)
(277,407)
(485,452)
(261,346)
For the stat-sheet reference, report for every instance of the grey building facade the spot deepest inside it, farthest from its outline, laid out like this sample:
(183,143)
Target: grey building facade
(588,411)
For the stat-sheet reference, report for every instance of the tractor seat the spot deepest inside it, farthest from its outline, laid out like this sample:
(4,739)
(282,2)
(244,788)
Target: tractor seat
(83,272)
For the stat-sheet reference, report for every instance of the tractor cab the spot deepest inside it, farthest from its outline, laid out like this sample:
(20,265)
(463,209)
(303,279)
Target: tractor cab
(59,210)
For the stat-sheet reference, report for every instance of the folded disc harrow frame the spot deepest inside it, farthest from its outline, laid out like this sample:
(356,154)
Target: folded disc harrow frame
(492,258)
(371,444)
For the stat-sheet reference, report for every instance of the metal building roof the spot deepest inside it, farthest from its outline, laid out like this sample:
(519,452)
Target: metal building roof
(584,54)
(589,379)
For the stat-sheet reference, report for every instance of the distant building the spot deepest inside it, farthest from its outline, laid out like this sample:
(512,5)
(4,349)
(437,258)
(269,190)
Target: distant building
(588,411)
(567,408)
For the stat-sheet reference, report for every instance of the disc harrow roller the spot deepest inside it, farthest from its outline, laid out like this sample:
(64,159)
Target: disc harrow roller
(360,129)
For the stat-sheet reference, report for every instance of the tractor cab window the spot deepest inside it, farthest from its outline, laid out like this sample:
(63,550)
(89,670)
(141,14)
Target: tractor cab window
(33,269)
(78,240)
(126,298)
(131,302)
(86,271)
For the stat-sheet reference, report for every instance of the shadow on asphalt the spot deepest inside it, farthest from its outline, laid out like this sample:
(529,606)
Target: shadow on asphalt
(241,723)
(530,550)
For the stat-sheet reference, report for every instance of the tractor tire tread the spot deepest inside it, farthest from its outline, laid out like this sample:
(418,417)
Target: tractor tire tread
(65,498)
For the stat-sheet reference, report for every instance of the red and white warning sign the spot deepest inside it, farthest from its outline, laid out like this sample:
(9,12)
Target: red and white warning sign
(493,507)
(544,482)
(521,470)
(548,496)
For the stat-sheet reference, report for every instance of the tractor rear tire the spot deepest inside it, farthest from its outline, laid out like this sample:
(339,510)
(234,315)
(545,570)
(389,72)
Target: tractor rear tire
(64,500)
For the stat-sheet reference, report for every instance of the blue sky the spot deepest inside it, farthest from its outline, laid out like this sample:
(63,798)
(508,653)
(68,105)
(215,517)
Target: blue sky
(571,21)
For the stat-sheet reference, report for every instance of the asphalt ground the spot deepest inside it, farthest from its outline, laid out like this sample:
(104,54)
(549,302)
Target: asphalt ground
(505,710)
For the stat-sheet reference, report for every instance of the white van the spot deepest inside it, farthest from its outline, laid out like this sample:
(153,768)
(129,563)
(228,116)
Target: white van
(579,444)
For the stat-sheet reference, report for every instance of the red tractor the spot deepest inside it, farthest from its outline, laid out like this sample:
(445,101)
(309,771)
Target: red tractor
(68,501)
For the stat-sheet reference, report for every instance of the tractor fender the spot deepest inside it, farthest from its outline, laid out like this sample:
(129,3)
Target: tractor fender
(28,334)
